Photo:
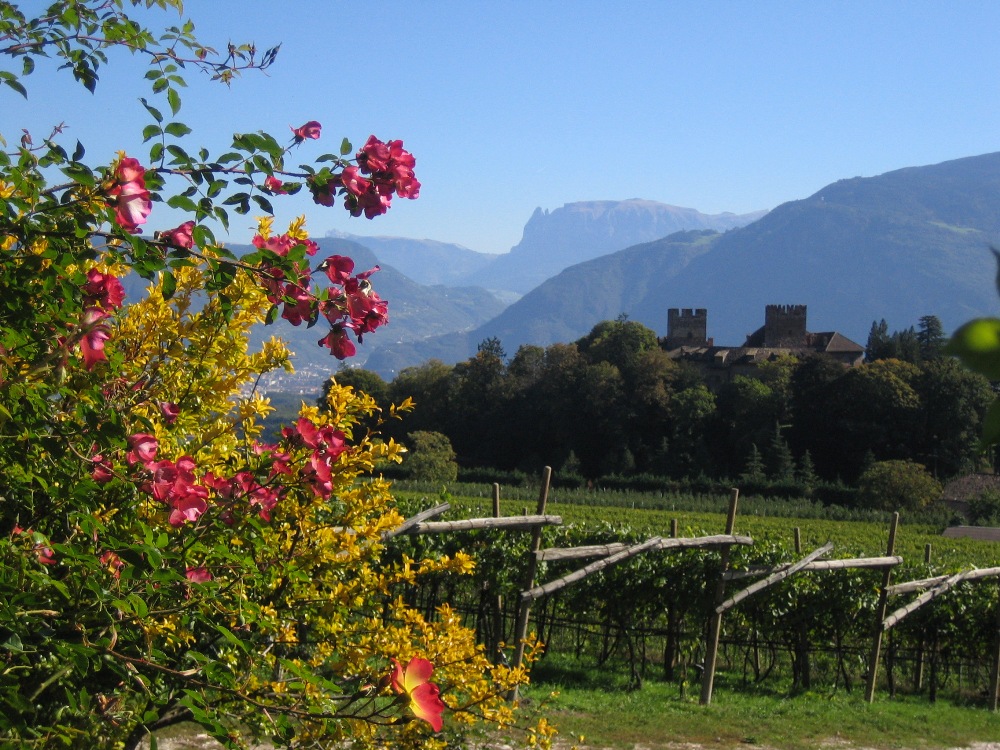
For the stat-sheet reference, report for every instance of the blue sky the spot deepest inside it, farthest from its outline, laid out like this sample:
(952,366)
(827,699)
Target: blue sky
(507,106)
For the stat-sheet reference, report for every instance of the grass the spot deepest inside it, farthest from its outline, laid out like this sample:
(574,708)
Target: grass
(597,705)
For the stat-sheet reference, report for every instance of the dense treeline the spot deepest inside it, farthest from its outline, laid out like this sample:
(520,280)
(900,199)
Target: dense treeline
(614,402)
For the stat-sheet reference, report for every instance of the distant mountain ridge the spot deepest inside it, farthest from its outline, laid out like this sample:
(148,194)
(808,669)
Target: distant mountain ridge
(425,261)
(577,232)
(897,246)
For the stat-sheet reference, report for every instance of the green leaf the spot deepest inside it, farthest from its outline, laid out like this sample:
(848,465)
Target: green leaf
(977,345)
(203,236)
(264,203)
(152,110)
(150,131)
(79,151)
(14,84)
(156,152)
(174,100)
(177,129)
(169,285)
(182,202)
(228,635)
(345,147)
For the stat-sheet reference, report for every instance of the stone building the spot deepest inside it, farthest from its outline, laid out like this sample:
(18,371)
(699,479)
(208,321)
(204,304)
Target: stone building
(784,333)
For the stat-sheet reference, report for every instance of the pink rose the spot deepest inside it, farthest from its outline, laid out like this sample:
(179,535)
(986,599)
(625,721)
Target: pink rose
(101,472)
(338,343)
(353,182)
(92,343)
(374,155)
(310,130)
(274,185)
(142,448)
(338,268)
(132,203)
(170,411)
(104,290)
(180,236)
(199,574)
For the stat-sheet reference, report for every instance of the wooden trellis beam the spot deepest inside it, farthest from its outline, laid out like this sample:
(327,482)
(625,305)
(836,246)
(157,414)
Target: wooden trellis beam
(945,585)
(772,579)
(538,592)
(576,553)
(715,540)
(848,562)
(472,524)
(616,556)
(926,583)
(409,523)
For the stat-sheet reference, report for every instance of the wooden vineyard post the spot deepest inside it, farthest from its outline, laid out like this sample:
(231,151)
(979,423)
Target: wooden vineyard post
(995,670)
(524,608)
(499,621)
(918,669)
(883,600)
(671,646)
(715,624)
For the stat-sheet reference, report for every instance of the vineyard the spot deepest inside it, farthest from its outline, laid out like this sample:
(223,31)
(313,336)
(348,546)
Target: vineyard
(649,615)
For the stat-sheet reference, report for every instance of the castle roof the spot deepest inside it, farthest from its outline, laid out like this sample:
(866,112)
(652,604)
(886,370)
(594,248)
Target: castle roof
(830,342)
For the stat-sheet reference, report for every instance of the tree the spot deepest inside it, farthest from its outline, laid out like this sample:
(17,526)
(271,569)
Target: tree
(897,485)
(754,472)
(953,405)
(780,462)
(874,407)
(878,345)
(619,342)
(361,380)
(692,411)
(158,561)
(930,337)
(431,458)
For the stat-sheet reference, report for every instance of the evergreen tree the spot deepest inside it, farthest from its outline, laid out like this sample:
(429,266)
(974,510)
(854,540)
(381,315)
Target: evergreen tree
(930,337)
(878,345)
(781,464)
(806,474)
(754,471)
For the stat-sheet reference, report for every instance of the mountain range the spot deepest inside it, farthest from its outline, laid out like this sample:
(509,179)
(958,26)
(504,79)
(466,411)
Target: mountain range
(897,246)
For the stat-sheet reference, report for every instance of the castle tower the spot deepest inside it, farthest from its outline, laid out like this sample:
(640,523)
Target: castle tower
(687,327)
(784,325)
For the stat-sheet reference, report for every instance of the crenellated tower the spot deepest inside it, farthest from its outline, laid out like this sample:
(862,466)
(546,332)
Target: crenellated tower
(687,327)
(784,325)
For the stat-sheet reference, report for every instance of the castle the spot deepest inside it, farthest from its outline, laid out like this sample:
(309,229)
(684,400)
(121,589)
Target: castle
(783,333)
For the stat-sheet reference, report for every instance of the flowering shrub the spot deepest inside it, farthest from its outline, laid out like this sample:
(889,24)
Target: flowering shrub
(159,562)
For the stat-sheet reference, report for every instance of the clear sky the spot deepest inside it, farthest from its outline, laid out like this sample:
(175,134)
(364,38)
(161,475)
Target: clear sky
(508,106)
